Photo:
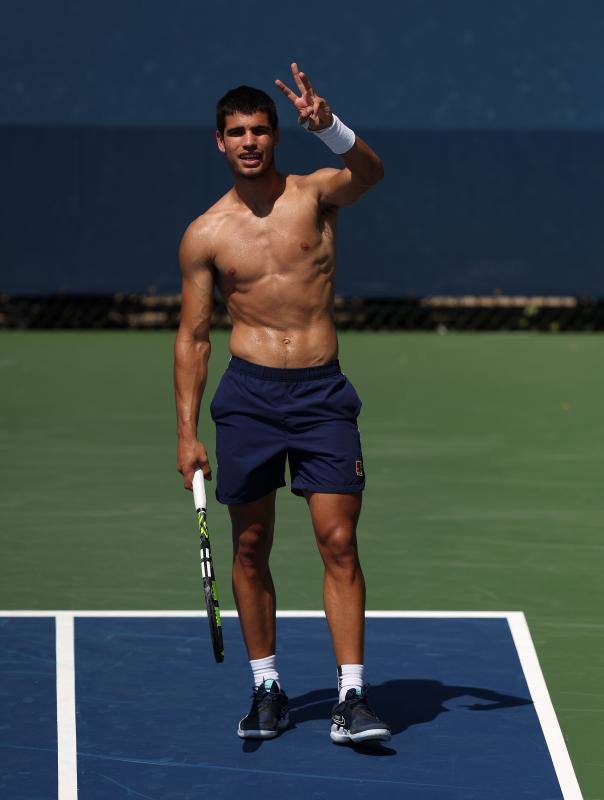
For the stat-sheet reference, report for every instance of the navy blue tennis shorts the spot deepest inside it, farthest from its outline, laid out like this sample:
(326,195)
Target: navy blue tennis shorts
(267,415)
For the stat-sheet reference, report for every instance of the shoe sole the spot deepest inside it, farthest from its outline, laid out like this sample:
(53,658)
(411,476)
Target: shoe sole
(259,734)
(342,736)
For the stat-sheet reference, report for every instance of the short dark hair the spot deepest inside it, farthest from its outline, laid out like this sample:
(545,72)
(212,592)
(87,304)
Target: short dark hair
(245,100)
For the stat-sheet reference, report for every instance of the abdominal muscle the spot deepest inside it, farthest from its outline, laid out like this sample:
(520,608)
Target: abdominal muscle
(276,277)
(285,347)
(290,328)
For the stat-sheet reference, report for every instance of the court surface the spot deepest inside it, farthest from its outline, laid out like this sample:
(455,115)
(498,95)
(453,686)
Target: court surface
(483,455)
(142,710)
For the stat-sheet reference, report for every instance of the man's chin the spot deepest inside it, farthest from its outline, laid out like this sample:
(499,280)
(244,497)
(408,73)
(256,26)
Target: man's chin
(252,174)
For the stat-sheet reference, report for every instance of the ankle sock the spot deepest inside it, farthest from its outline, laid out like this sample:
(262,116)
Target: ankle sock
(265,669)
(350,676)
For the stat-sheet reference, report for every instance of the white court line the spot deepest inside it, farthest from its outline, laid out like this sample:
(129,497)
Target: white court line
(67,760)
(233,613)
(543,706)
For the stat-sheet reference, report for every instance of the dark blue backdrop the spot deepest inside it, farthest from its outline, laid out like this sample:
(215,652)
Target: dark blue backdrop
(488,117)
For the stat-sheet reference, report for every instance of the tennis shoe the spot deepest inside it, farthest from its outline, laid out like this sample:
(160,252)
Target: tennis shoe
(353,720)
(269,714)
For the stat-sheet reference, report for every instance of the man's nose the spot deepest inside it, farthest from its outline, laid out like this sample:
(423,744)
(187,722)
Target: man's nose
(250,140)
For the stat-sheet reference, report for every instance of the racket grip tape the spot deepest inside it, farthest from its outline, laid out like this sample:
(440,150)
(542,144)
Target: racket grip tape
(199,491)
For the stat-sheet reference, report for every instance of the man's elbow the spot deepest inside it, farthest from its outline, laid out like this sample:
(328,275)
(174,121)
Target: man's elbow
(193,340)
(374,176)
(379,171)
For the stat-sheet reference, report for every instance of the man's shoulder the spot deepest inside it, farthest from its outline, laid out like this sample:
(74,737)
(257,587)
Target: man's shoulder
(207,223)
(312,180)
(198,243)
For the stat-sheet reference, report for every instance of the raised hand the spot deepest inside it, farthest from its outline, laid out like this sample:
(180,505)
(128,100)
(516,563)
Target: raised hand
(309,105)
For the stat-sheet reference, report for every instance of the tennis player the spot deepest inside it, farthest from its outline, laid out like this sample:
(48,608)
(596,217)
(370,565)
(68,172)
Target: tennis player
(269,246)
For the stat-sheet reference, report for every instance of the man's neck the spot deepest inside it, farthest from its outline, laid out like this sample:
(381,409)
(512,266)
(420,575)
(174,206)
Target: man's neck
(259,194)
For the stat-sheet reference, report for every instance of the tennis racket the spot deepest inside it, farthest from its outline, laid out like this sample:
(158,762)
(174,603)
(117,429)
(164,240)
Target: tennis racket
(207,568)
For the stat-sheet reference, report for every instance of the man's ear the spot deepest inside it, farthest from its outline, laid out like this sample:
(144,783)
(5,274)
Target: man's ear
(220,142)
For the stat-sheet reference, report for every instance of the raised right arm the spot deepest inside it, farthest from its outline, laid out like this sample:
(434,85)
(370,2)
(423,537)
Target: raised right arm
(192,348)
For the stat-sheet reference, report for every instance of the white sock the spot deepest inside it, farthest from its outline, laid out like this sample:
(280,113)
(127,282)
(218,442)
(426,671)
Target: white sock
(350,676)
(265,668)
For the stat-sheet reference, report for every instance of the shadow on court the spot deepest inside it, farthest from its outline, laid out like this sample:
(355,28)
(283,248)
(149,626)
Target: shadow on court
(402,703)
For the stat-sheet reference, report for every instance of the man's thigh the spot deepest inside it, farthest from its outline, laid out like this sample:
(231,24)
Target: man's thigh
(324,443)
(251,447)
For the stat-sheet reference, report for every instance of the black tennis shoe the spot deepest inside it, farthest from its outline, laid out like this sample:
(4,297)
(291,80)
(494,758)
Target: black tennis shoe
(354,720)
(268,715)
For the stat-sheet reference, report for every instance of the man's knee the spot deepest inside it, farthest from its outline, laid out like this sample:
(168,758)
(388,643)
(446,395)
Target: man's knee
(252,529)
(338,547)
(252,546)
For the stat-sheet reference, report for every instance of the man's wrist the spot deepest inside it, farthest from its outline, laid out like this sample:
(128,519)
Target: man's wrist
(338,137)
(185,432)
(306,122)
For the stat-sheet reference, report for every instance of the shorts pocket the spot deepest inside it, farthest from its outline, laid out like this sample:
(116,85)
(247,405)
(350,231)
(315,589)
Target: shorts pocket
(215,404)
(356,401)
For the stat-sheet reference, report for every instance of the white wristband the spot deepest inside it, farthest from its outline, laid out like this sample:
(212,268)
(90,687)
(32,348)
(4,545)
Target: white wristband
(338,137)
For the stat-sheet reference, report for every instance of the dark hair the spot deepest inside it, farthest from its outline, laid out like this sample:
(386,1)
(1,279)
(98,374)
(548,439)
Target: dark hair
(245,100)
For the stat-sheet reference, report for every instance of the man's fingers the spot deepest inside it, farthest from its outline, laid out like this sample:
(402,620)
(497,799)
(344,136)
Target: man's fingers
(207,474)
(307,93)
(306,82)
(286,91)
(297,78)
(188,473)
(188,476)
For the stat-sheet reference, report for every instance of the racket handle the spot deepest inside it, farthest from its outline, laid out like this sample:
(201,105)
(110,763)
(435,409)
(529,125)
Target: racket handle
(199,491)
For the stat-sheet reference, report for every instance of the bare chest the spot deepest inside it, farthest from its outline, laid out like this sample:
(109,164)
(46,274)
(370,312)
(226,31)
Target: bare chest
(294,236)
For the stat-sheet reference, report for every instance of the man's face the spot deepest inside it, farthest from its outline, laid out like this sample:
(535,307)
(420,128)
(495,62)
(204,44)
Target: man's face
(248,143)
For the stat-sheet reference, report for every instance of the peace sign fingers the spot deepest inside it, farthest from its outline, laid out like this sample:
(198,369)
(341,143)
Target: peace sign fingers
(310,107)
(286,91)
(307,93)
(302,81)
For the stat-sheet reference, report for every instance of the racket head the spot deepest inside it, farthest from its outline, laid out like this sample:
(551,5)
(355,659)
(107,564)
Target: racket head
(214,621)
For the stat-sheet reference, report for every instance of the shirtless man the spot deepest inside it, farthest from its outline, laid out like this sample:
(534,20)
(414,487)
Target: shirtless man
(269,245)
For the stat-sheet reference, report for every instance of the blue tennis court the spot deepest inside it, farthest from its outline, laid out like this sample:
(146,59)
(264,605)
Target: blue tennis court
(156,716)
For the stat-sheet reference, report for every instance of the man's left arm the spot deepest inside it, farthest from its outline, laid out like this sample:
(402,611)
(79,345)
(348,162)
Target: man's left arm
(362,166)
(341,187)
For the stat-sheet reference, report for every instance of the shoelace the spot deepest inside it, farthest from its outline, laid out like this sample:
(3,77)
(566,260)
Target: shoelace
(262,696)
(361,699)
(362,696)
